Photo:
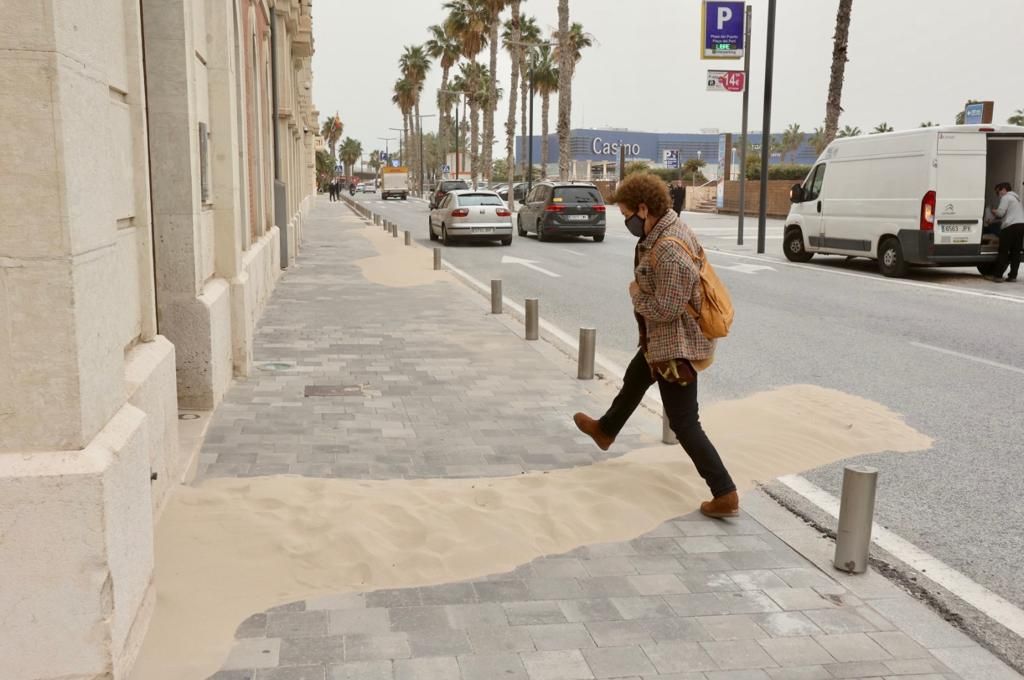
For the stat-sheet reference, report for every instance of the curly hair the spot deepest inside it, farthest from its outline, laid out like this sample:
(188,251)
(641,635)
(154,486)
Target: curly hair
(643,187)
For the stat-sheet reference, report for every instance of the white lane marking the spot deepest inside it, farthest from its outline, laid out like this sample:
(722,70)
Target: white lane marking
(746,268)
(877,279)
(975,594)
(968,357)
(529,264)
(575,252)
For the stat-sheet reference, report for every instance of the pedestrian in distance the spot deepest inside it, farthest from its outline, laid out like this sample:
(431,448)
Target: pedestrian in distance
(332,190)
(1011,235)
(667,296)
(678,194)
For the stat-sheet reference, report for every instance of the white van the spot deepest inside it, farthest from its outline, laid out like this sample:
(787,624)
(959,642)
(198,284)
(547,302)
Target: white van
(906,198)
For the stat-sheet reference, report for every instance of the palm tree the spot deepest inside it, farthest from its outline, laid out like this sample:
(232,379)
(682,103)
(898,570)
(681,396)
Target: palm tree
(792,139)
(882,127)
(1017,118)
(415,65)
(512,39)
(545,82)
(529,34)
(472,80)
(331,132)
(469,22)
(405,98)
(568,53)
(840,44)
(818,140)
(496,7)
(443,48)
(848,131)
(351,151)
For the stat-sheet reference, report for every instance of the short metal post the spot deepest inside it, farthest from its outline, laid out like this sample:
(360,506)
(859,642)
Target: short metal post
(408,238)
(394,231)
(856,514)
(387,225)
(667,435)
(376,219)
(496,305)
(585,359)
(532,319)
(437,259)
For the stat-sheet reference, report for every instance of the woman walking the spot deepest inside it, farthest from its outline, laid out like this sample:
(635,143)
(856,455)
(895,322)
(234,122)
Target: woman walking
(666,295)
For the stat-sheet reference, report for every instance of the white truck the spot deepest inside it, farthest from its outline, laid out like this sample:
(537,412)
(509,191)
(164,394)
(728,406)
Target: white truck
(917,197)
(394,183)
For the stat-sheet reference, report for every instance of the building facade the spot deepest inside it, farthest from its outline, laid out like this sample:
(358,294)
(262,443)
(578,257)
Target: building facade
(156,164)
(599,149)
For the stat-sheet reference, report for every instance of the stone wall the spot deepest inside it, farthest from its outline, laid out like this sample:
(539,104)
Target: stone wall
(778,197)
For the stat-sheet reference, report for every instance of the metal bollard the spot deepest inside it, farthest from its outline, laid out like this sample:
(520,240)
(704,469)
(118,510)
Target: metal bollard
(856,513)
(496,303)
(437,259)
(585,358)
(394,231)
(532,319)
(408,238)
(387,225)
(667,435)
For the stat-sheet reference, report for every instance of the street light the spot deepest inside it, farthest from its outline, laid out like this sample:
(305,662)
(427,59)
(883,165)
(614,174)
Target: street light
(458,132)
(401,153)
(419,121)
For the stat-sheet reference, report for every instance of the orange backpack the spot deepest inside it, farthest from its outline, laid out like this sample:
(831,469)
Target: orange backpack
(716,311)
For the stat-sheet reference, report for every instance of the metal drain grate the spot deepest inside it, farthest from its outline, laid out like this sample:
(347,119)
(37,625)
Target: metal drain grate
(333,390)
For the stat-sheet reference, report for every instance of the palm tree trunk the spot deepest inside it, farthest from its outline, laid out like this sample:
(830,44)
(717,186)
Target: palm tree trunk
(442,126)
(840,43)
(492,103)
(417,131)
(565,68)
(510,124)
(474,139)
(545,109)
(524,91)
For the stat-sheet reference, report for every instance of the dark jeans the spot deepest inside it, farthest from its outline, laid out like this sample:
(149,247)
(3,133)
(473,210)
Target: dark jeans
(680,403)
(1011,240)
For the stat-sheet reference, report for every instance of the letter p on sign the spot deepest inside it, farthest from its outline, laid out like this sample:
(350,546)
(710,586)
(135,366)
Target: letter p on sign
(724,17)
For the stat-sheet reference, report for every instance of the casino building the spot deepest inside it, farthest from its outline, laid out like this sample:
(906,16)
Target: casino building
(596,152)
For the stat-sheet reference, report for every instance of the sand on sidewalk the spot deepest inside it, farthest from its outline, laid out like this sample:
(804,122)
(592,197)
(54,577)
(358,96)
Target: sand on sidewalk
(232,547)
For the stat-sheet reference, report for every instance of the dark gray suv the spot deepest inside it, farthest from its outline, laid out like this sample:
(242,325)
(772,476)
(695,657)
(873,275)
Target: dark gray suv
(562,209)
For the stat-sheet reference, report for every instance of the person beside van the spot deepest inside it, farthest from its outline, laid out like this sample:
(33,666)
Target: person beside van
(678,194)
(1011,236)
(667,282)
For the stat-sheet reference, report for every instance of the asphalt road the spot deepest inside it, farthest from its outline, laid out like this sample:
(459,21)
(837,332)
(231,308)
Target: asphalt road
(943,347)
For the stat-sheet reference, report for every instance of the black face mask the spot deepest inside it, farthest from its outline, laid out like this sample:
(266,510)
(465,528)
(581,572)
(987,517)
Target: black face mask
(635,224)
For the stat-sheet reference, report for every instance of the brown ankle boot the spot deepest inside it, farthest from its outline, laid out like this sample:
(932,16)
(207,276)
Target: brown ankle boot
(592,428)
(722,506)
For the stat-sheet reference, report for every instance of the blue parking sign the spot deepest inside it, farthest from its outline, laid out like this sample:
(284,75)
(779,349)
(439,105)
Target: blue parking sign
(722,25)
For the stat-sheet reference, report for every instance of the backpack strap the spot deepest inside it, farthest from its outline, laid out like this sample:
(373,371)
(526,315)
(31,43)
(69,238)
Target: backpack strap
(699,262)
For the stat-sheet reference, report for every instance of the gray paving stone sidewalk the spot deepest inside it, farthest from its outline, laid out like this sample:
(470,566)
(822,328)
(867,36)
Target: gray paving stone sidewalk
(447,391)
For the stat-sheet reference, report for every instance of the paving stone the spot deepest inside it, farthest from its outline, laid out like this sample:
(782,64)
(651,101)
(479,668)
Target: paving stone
(471,616)
(405,597)
(620,633)
(786,624)
(657,565)
(609,566)
(708,582)
(406,619)
(658,584)
(595,609)
(358,621)
(796,651)
(362,670)
(492,667)
(617,662)
(436,668)
(377,647)
(440,642)
(449,593)
(679,657)
(309,651)
(974,663)
(799,599)
(738,654)
(527,613)
(912,666)
(318,672)
(857,669)
(253,627)
(802,673)
(731,627)
(501,591)
(675,629)
(559,665)
(559,568)
(254,653)
(496,640)
(757,579)
(651,607)
(702,544)
(297,624)
(233,675)
(852,647)
(607,586)
(803,577)
(920,623)
(553,588)
(737,675)
(558,636)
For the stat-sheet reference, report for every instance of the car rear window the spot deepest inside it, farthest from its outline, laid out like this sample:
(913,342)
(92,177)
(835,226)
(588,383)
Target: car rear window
(480,199)
(450,186)
(577,195)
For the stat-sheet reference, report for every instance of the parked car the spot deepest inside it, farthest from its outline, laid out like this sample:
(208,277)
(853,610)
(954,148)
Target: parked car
(498,188)
(366,188)
(563,209)
(518,191)
(442,189)
(464,214)
(914,197)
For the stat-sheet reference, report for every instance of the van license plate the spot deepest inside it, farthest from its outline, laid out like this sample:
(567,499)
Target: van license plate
(955,228)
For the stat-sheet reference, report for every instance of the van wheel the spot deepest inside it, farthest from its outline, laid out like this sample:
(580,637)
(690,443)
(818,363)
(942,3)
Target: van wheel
(793,246)
(987,269)
(890,258)
(519,225)
(598,238)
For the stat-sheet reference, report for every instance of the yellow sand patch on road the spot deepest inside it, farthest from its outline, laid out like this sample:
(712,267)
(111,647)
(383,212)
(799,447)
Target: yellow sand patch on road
(398,265)
(233,547)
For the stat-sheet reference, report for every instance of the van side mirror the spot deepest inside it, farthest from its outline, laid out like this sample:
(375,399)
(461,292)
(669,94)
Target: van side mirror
(797,194)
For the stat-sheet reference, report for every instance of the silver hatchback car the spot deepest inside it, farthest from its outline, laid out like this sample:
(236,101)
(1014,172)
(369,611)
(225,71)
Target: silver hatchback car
(465,214)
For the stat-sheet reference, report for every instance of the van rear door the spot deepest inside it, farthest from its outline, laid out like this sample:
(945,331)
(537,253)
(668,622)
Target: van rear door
(960,188)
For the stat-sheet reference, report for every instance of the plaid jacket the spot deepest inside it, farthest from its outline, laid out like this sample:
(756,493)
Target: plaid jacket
(667,329)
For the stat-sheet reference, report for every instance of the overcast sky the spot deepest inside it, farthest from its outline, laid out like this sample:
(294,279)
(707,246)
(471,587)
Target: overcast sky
(910,61)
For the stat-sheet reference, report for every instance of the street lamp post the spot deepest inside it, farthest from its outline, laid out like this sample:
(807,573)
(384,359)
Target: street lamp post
(458,131)
(401,152)
(420,118)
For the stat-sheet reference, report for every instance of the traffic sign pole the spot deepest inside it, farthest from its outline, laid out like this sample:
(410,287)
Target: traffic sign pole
(746,112)
(766,131)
